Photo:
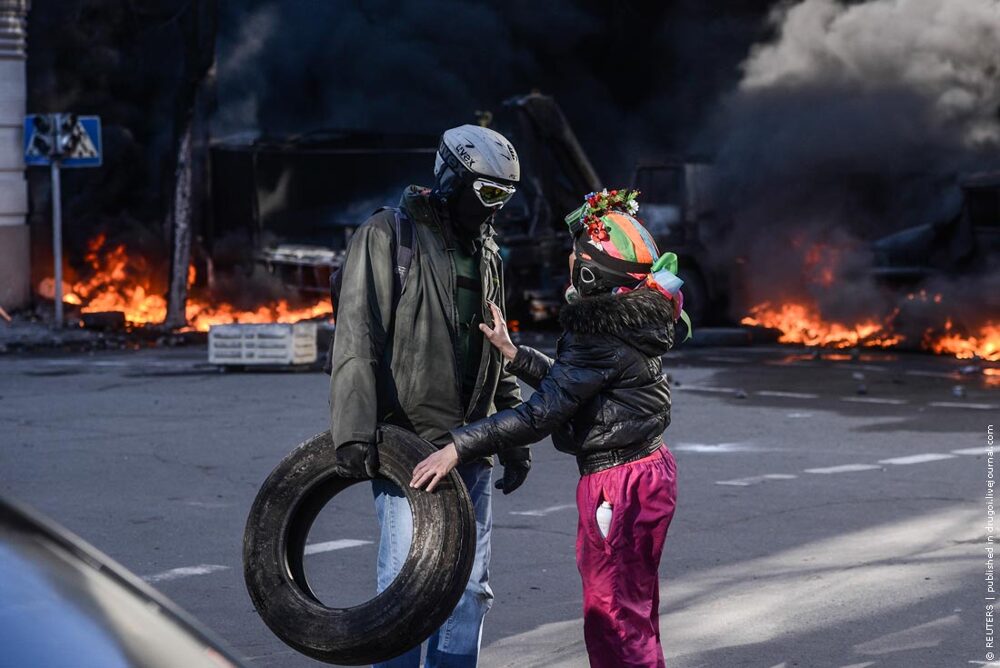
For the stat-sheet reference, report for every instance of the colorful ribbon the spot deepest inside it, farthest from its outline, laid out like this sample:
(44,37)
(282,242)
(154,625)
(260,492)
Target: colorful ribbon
(663,277)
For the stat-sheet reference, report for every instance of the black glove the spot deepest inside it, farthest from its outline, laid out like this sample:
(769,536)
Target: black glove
(516,464)
(357,460)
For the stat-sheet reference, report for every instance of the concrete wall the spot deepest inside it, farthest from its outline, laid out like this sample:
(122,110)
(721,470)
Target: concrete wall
(15,275)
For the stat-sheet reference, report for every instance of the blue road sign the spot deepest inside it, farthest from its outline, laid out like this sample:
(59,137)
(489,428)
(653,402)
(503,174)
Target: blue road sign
(86,147)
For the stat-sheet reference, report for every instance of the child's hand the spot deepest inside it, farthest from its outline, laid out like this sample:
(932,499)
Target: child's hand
(431,470)
(497,335)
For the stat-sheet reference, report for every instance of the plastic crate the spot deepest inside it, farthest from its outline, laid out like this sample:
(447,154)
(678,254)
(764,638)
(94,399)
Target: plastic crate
(272,344)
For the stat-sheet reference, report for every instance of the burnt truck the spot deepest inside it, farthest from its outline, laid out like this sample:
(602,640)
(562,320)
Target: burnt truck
(289,205)
(966,243)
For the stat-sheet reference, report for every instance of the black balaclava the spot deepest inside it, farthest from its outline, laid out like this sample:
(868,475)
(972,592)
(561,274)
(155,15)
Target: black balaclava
(467,213)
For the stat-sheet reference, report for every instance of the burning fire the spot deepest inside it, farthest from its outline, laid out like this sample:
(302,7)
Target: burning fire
(800,323)
(984,343)
(123,282)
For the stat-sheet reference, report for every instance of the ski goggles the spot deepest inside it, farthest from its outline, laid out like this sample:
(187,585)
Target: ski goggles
(492,194)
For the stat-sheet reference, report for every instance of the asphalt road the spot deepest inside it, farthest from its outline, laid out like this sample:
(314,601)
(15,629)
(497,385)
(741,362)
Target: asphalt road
(817,526)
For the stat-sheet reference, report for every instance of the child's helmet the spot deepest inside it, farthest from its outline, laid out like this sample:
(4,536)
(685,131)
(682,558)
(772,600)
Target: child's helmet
(611,247)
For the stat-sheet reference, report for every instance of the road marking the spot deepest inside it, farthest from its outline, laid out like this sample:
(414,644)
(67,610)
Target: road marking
(875,400)
(988,664)
(184,572)
(970,451)
(958,404)
(931,374)
(862,367)
(544,511)
(845,468)
(799,415)
(206,569)
(787,395)
(703,388)
(331,545)
(866,664)
(754,480)
(916,459)
(715,448)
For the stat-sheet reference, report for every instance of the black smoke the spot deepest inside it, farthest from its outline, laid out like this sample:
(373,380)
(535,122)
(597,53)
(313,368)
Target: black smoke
(634,78)
(852,121)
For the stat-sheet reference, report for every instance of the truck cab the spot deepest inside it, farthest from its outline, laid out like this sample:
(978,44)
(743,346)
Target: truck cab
(678,204)
(968,242)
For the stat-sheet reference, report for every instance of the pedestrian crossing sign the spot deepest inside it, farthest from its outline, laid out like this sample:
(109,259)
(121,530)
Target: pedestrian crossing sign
(82,137)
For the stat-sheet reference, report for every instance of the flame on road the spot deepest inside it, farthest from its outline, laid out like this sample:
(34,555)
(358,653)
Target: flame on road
(801,323)
(123,281)
(983,342)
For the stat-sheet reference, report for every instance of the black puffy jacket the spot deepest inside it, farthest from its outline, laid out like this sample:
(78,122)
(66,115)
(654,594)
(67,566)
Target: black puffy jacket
(604,398)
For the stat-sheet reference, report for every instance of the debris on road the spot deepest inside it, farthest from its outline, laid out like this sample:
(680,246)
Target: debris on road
(103,320)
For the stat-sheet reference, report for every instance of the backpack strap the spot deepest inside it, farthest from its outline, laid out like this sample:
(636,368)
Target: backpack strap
(404,248)
(402,243)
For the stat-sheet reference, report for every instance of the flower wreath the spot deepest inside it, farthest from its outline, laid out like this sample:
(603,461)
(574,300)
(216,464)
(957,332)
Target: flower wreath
(599,204)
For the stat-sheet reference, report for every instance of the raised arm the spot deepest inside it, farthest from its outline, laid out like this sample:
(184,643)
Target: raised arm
(578,374)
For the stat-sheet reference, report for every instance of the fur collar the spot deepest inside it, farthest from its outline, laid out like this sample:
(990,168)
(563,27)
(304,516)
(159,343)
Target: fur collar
(618,314)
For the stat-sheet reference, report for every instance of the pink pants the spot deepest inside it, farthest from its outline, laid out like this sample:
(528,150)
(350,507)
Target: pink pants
(621,589)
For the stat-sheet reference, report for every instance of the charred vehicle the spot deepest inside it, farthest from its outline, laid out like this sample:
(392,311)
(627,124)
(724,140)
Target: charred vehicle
(308,193)
(291,204)
(966,243)
(66,604)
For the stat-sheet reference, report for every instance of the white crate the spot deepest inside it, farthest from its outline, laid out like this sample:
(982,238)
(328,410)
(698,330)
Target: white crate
(275,344)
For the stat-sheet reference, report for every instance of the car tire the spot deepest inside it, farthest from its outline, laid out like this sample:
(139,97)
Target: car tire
(416,603)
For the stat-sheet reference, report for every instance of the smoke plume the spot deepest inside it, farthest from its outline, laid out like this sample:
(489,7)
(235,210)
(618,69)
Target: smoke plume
(855,120)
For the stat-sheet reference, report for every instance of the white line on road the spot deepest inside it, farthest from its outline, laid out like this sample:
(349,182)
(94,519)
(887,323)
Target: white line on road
(206,569)
(544,511)
(184,572)
(931,374)
(787,395)
(916,459)
(705,388)
(715,448)
(845,468)
(958,404)
(875,400)
(756,479)
(970,451)
(862,367)
(331,545)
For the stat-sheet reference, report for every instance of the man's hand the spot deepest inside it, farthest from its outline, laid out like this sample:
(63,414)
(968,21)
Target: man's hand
(516,464)
(434,468)
(357,460)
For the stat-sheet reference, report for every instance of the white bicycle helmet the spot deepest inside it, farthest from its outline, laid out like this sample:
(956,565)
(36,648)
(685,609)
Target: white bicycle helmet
(472,151)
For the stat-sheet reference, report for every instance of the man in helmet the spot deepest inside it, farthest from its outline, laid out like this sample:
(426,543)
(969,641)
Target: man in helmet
(417,359)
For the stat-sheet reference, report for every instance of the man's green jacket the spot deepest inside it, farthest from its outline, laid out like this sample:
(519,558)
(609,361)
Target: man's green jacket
(397,361)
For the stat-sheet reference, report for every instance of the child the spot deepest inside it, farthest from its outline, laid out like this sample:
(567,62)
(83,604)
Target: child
(603,399)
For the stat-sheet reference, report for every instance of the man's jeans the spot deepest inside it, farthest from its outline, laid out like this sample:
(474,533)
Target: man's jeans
(456,643)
